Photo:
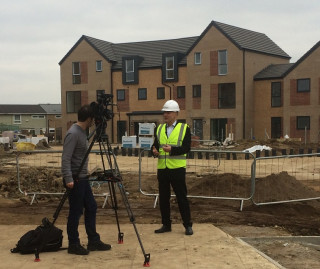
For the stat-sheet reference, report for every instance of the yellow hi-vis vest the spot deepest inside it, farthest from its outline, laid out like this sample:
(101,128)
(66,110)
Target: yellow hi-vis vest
(175,140)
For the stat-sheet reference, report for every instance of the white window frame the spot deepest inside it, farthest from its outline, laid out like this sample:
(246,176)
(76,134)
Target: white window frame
(76,76)
(16,121)
(222,66)
(129,73)
(37,117)
(168,69)
(197,58)
(98,65)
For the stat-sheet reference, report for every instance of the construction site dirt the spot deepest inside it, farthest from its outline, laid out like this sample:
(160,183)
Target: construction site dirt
(267,227)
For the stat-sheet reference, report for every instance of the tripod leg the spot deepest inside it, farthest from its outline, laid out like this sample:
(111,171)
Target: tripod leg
(132,220)
(114,204)
(62,201)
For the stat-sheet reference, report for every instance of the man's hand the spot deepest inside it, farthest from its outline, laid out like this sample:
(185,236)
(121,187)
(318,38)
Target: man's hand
(70,185)
(155,151)
(167,148)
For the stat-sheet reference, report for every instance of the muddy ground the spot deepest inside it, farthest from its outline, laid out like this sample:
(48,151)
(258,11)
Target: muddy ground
(289,219)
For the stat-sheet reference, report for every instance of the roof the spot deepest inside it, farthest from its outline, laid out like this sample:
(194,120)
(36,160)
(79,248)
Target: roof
(151,51)
(281,70)
(21,109)
(52,108)
(246,39)
(273,71)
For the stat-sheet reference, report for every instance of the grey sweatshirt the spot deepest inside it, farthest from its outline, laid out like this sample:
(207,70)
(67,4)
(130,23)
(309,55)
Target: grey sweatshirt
(74,149)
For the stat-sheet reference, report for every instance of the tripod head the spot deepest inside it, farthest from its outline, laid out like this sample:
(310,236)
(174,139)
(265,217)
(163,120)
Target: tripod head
(102,113)
(100,109)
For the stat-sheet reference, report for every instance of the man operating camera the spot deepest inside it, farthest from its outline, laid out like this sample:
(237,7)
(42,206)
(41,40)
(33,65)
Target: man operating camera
(80,196)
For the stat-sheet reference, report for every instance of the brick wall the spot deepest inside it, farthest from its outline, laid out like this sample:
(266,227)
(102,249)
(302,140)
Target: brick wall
(214,96)
(297,133)
(298,98)
(124,105)
(84,72)
(213,63)
(196,103)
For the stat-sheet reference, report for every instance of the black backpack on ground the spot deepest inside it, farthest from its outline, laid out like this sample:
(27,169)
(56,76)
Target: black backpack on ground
(45,237)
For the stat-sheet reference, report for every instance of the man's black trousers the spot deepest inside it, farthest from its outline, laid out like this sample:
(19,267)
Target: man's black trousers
(177,179)
(81,197)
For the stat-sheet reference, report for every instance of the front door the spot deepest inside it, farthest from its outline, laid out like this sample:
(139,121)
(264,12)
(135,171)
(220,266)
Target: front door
(276,128)
(218,129)
(121,130)
(198,128)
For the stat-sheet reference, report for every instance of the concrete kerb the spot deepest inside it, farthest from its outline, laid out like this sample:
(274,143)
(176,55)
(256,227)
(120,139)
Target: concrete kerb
(209,247)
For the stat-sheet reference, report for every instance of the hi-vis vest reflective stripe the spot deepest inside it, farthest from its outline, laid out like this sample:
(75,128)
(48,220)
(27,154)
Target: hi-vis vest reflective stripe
(175,140)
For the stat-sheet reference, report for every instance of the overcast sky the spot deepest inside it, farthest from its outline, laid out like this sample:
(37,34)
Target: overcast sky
(36,34)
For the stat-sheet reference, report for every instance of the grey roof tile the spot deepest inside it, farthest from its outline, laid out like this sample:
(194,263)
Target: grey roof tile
(246,39)
(21,109)
(52,108)
(273,71)
(151,51)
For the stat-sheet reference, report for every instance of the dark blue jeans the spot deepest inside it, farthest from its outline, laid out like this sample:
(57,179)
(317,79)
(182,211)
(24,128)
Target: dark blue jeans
(81,197)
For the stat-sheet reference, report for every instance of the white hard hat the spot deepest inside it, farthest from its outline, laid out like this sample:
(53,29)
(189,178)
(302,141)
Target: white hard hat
(171,105)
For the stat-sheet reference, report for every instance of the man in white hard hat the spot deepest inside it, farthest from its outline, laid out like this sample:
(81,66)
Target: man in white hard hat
(171,146)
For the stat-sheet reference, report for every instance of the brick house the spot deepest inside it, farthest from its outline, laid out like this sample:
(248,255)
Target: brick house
(31,119)
(287,99)
(215,77)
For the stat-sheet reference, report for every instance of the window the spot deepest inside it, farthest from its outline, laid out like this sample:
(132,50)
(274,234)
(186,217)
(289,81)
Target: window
(121,95)
(99,93)
(76,73)
(170,67)
(181,92)
(227,95)
(197,58)
(37,116)
(303,85)
(58,116)
(303,122)
(142,94)
(222,62)
(73,101)
(17,119)
(196,91)
(160,93)
(129,70)
(276,94)
(98,66)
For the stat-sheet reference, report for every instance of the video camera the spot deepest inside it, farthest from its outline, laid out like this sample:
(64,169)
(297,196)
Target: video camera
(100,108)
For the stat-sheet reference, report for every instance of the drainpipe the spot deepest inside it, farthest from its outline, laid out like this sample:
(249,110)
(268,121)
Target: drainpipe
(244,94)
(170,89)
(112,128)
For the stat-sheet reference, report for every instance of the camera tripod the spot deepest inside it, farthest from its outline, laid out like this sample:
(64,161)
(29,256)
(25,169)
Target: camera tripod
(113,177)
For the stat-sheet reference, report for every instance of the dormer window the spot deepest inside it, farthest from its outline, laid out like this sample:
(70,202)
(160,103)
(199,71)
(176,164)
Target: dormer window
(130,69)
(170,67)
